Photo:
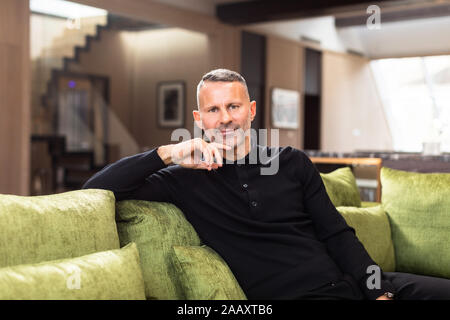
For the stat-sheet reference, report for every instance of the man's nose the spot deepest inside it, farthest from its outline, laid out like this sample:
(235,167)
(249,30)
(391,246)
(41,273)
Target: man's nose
(225,116)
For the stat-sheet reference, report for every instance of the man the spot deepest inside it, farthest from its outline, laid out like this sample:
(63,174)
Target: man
(279,233)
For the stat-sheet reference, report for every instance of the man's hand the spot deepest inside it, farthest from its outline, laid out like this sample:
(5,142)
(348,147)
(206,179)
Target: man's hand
(383,297)
(189,153)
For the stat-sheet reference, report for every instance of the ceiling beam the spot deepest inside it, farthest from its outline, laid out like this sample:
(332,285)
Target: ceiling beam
(269,10)
(395,16)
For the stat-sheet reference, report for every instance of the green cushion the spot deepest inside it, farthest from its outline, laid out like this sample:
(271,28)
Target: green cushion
(64,225)
(367,204)
(113,274)
(418,207)
(373,230)
(204,275)
(155,227)
(341,187)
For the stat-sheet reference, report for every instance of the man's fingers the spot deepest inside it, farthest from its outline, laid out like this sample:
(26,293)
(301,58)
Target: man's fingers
(220,145)
(199,151)
(207,153)
(199,154)
(216,154)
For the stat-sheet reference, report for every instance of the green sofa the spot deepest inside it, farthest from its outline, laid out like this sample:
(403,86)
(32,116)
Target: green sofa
(84,245)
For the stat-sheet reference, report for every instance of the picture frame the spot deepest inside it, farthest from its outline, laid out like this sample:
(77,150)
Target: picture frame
(171,104)
(285,105)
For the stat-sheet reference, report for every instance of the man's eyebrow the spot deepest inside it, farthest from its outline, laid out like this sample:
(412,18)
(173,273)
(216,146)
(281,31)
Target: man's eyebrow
(228,104)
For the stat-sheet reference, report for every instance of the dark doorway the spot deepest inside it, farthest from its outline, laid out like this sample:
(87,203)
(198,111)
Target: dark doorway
(312,99)
(312,122)
(253,64)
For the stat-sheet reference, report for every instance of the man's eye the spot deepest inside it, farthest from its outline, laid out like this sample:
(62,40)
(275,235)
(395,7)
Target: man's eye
(212,109)
(234,106)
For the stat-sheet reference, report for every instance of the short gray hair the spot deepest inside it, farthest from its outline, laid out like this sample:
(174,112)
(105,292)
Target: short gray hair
(221,75)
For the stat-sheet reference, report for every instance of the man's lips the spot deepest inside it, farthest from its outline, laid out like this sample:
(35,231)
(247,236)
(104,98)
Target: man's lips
(228,131)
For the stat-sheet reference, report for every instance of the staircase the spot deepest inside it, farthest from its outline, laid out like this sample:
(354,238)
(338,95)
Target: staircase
(71,169)
(55,56)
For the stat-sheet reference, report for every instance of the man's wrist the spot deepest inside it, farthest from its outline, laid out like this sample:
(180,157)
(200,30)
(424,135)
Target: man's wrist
(164,152)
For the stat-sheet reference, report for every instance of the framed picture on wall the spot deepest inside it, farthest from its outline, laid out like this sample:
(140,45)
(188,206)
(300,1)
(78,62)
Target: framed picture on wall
(285,105)
(171,104)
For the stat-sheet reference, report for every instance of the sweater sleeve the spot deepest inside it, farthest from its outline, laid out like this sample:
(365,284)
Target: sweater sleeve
(331,228)
(138,177)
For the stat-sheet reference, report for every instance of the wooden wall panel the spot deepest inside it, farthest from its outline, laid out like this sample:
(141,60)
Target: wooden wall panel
(284,69)
(11,25)
(14,97)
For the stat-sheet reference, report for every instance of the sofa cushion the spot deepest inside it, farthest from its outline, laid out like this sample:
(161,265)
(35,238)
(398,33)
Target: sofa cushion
(204,275)
(155,227)
(113,274)
(372,228)
(64,225)
(341,187)
(418,207)
(367,204)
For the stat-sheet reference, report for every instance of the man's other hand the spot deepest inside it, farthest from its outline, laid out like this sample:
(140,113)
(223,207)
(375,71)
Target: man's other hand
(383,297)
(189,154)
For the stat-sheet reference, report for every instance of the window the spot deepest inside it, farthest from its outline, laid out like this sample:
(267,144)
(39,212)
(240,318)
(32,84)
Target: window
(416,97)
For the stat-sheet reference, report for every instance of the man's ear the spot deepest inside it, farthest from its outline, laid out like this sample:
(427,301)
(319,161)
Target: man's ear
(252,110)
(197,119)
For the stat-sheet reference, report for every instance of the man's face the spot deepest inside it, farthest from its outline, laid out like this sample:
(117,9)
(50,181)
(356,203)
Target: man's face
(225,112)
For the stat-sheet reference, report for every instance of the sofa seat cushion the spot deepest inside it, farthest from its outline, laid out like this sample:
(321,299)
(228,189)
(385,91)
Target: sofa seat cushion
(341,187)
(204,275)
(372,228)
(64,225)
(155,227)
(418,207)
(112,274)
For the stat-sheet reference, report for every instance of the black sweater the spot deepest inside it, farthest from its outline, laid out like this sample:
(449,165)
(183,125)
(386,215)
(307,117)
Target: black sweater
(280,234)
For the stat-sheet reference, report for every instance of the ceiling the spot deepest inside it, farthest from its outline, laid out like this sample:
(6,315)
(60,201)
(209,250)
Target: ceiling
(407,27)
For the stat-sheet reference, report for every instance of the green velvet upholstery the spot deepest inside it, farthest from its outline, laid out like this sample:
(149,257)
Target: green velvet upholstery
(65,225)
(43,239)
(113,274)
(155,227)
(372,228)
(368,204)
(418,207)
(341,187)
(204,275)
